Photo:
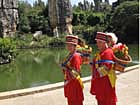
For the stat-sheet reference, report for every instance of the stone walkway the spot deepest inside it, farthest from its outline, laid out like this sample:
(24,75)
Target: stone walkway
(127,92)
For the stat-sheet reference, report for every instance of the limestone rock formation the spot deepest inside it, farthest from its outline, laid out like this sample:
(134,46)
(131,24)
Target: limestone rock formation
(52,11)
(8,17)
(107,2)
(60,15)
(97,5)
(86,5)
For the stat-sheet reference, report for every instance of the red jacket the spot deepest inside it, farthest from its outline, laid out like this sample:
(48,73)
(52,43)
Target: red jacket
(72,88)
(101,86)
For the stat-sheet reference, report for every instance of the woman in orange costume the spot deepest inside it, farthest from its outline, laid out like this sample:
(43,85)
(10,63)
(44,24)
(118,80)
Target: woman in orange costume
(103,75)
(73,87)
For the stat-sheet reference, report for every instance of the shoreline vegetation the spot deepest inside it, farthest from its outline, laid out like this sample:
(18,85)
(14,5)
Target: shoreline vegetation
(86,23)
(9,46)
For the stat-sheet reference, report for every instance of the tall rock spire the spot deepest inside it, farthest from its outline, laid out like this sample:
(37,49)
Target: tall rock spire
(60,15)
(8,17)
(97,5)
(107,1)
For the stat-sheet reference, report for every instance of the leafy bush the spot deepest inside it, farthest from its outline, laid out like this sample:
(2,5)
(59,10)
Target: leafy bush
(125,21)
(56,42)
(95,18)
(88,32)
(87,18)
(24,24)
(7,50)
(38,23)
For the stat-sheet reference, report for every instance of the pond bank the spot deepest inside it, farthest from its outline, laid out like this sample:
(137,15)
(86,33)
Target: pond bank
(28,91)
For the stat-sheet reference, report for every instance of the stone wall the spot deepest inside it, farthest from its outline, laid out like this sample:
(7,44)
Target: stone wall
(8,17)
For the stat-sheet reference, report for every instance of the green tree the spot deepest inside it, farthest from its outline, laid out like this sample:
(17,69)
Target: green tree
(39,4)
(24,24)
(45,11)
(125,20)
(38,23)
(95,18)
(33,18)
(76,20)
(24,8)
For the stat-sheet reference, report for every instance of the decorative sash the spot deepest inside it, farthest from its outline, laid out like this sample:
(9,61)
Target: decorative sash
(73,72)
(103,71)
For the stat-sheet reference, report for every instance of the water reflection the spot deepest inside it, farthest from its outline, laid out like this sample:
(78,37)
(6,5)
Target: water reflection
(40,67)
(32,68)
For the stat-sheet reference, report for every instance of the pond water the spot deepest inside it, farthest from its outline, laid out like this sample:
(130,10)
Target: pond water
(38,67)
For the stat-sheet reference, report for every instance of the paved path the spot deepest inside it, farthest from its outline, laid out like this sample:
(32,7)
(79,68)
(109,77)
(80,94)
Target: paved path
(127,92)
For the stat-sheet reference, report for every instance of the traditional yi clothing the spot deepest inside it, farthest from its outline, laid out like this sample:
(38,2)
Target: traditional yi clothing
(103,74)
(73,87)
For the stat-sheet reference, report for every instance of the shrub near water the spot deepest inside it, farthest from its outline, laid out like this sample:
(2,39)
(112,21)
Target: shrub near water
(7,50)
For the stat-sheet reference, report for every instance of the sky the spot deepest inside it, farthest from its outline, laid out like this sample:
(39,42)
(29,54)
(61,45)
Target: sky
(72,1)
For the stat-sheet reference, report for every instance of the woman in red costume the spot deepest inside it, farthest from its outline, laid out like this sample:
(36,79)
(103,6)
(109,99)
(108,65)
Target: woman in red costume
(73,87)
(103,74)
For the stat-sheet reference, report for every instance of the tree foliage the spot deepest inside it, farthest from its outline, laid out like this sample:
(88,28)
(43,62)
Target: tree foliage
(122,20)
(33,18)
(23,25)
(125,20)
